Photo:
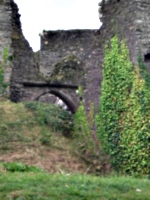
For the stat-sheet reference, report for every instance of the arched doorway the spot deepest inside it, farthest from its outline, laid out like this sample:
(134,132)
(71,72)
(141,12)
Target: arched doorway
(58,98)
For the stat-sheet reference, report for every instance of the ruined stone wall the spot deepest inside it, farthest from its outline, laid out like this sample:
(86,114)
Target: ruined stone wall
(130,20)
(67,58)
(74,57)
(83,45)
(24,64)
(5,35)
(5,26)
(142,27)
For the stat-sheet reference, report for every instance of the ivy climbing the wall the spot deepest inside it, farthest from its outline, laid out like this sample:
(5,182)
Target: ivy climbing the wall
(3,85)
(135,135)
(124,118)
(116,87)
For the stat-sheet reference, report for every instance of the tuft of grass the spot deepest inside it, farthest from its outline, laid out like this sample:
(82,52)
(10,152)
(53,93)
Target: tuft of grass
(34,186)
(19,167)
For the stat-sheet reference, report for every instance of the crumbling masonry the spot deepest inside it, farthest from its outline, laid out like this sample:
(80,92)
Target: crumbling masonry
(73,58)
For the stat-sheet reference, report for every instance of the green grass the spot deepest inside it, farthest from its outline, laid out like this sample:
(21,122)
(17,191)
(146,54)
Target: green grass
(43,186)
(21,148)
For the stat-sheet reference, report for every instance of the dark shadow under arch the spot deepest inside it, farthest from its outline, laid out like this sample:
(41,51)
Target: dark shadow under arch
(71,105)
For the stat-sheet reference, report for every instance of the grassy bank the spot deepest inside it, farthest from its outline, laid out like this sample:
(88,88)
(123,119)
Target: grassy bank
(60,174)
(43,186)
(24,138)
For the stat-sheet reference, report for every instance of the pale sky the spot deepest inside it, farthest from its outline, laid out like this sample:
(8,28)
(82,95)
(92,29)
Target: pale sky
(39,15)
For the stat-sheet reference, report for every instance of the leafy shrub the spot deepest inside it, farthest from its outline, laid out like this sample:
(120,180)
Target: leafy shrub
(51,115)
(124,118)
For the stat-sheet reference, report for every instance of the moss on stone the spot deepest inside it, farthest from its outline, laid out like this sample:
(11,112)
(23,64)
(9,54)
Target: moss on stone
(67,70)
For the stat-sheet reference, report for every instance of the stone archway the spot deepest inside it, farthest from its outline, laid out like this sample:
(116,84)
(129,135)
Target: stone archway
(69,103)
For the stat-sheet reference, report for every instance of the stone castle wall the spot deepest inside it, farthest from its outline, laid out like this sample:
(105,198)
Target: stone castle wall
(5,26)
(71,58)
(84,46)
(130,20)
(22,67)
(5,34)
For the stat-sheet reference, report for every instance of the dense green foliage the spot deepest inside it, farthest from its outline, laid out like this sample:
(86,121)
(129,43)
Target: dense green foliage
(43,186)
(135,133)
(53,116)
(116,86)
(18,167)
(124,118)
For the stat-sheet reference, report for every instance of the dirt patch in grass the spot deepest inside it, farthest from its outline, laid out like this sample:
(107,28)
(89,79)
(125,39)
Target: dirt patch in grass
(48,158)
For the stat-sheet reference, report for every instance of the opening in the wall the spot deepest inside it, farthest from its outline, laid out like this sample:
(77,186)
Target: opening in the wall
(147,58)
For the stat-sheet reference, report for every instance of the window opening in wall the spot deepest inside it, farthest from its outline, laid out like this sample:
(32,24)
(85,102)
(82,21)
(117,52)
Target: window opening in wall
(147,58)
